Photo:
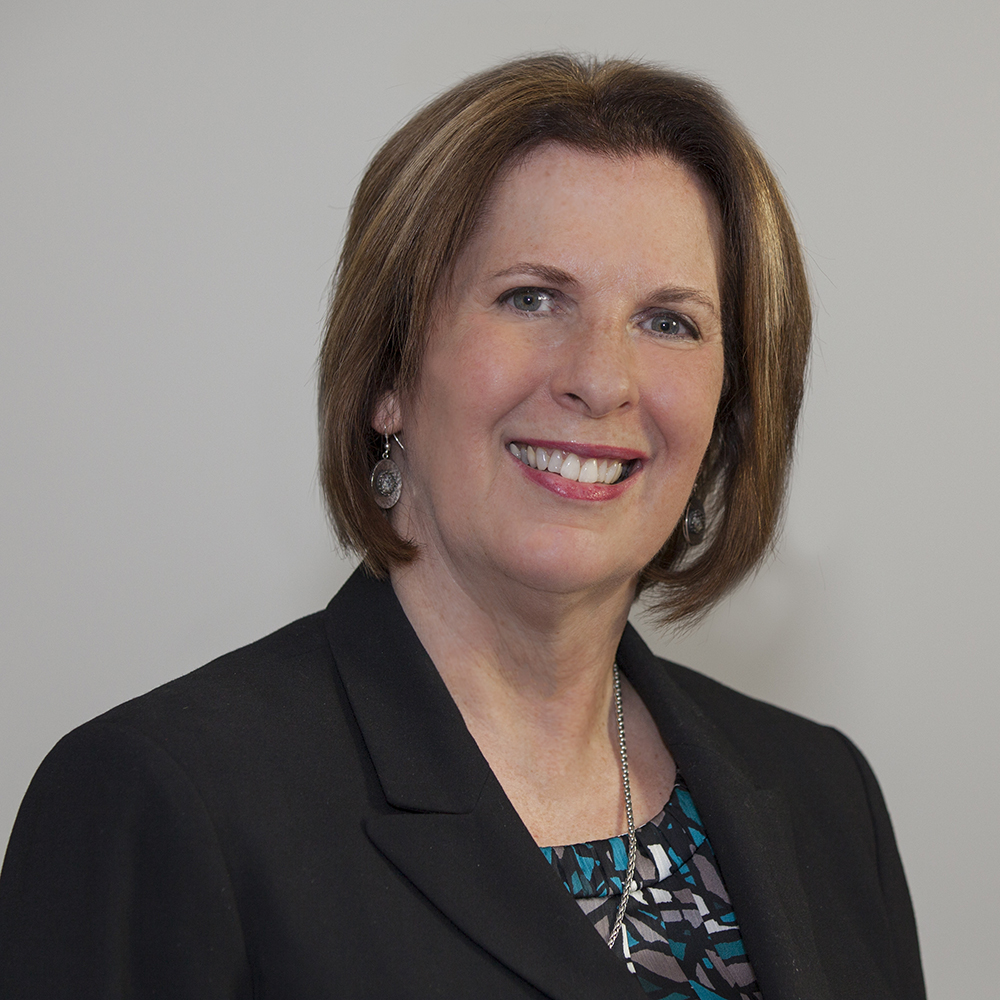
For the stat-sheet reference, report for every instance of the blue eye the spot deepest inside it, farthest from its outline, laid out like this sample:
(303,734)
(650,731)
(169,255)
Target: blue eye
(671,327)
(529,299)
(666,327)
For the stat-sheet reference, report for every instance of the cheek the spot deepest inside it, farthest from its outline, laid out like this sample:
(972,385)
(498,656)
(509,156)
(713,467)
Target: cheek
(475,376)
(685,398)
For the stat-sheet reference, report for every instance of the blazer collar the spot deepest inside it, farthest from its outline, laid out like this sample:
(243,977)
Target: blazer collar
(454,834)
(750,829)
(452,831)
(424,755)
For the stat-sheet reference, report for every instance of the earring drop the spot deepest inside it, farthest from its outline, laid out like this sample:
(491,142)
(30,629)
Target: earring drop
(387,480)
(694,522)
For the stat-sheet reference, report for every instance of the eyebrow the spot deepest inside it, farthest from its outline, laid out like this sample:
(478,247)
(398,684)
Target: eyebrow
(671,295)
(553,275)
(677,294)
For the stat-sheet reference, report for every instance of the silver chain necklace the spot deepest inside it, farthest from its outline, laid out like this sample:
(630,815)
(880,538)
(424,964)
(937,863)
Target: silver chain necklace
(627,884)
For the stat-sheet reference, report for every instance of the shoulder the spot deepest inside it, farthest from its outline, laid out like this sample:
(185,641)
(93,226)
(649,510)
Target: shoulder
(814,763)
(145,817)
(222,762)
(780,747)
(812,799)
(231,733)
(244,694)
(823,780)
(251,680)
(757,727)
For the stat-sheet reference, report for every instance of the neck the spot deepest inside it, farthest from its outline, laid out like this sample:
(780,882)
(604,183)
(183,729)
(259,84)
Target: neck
(531,673)
(505,649)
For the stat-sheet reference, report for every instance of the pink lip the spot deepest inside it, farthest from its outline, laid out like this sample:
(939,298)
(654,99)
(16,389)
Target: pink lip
(555,483)
(582,450)
(572,490)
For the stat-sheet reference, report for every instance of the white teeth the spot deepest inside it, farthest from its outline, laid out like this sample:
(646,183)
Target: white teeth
(568,465)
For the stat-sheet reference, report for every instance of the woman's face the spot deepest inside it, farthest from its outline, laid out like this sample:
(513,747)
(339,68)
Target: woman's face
(582,322)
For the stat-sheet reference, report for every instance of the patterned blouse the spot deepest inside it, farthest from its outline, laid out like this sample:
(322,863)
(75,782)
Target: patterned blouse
(680,935)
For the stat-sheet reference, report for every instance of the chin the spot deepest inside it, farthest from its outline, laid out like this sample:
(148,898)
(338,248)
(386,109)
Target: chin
(570,569)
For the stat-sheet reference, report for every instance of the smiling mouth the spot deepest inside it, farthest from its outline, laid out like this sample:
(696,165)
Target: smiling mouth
(573,467)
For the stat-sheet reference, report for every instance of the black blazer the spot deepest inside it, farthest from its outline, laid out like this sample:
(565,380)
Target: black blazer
(309,817)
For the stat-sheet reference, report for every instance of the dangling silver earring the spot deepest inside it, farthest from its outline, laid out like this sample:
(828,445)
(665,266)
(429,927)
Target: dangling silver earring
(387,480)
(694,522)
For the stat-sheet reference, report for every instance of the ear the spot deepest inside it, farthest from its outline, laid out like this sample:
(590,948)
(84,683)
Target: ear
(387,417)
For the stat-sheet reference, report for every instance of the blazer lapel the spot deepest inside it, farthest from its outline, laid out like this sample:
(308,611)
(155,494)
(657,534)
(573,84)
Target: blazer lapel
(483,870)
(451,829)
(750,830)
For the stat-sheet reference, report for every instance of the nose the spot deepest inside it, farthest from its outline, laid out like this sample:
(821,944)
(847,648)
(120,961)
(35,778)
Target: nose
(597,373)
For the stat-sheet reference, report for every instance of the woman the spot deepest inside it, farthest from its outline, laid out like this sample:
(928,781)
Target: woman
(563,366)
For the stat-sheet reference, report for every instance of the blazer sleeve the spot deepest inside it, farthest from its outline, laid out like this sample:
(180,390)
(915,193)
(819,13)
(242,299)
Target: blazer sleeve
(895,893)
(114,885)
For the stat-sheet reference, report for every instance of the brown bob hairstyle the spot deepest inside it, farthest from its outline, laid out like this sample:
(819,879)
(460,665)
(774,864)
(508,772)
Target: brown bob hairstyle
(419,203)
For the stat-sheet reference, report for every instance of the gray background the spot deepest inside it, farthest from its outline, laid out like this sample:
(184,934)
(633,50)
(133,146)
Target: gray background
(175,178)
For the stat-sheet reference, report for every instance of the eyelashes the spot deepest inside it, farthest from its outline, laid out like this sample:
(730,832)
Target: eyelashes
(662,324)
(671,326)
(530,300)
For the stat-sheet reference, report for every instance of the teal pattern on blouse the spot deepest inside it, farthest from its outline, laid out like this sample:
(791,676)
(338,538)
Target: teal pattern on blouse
(680,936)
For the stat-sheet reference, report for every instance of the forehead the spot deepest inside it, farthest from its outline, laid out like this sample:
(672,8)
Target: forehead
(579,205)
